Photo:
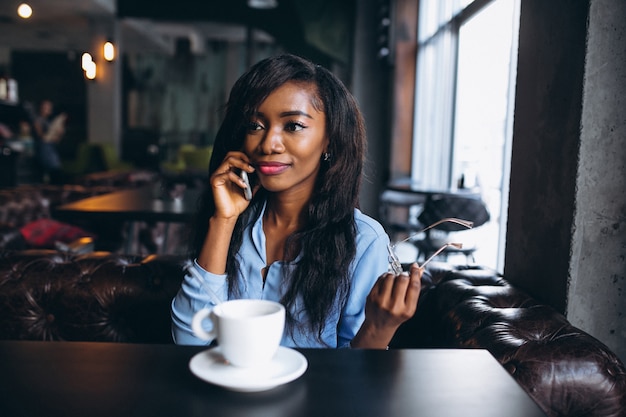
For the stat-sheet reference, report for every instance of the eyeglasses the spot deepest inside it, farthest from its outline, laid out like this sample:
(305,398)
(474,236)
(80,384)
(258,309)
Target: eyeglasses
(394,261)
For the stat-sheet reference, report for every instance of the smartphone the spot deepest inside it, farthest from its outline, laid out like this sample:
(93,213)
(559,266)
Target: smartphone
(247,192)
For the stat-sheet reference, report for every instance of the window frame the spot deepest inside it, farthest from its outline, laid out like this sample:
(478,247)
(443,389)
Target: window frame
(433,140)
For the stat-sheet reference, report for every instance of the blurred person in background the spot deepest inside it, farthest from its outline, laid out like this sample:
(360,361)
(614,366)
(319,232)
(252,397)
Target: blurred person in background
(49,130)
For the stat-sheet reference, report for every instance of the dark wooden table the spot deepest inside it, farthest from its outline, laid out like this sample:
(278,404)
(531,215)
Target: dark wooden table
(105,379)
(142,203)
(145,204)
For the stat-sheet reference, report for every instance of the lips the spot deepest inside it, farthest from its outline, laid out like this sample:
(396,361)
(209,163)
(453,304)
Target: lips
(271,168)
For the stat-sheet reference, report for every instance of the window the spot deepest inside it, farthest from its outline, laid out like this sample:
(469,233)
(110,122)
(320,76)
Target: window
(464,105)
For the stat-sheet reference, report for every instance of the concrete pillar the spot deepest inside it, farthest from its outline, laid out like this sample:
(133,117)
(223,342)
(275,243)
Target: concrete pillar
(597,289)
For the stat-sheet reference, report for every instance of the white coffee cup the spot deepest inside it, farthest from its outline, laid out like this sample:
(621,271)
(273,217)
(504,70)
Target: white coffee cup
(248,331)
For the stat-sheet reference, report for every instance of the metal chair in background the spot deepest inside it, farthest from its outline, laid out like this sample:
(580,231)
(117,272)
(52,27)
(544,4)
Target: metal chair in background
(470,207)
(398,212)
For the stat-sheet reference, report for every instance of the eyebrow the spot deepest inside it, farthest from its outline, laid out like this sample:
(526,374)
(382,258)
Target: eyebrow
(290,113)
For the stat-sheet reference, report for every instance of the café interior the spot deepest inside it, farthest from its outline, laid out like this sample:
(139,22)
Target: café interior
(517,104)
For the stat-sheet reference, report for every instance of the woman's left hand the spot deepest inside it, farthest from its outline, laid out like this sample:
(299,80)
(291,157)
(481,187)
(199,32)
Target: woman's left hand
(391,302)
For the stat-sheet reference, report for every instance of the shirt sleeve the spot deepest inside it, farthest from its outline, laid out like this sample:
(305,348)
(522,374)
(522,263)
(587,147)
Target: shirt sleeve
(192,297)
(369,264)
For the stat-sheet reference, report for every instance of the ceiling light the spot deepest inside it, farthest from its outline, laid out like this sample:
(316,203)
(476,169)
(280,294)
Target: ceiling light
(24,11)
(88,66)
(90,71)
(108,51)
(262,4)
(86,60)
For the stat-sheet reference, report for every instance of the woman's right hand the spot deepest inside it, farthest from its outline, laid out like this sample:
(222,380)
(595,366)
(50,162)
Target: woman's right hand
(228,187)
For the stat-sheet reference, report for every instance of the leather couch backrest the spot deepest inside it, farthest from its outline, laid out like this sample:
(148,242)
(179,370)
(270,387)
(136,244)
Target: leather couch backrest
(48,295)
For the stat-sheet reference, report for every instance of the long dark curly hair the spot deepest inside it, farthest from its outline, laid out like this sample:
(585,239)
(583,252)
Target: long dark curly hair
(327,242)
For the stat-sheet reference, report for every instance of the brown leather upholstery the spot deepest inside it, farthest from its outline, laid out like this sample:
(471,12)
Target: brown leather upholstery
(47,295)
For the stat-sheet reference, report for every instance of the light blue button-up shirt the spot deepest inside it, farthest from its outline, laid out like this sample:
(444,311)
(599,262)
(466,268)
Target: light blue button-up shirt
(370,262)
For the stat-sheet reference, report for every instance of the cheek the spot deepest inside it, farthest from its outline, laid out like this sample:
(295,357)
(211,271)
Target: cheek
(311,161)
(309,156)
(313,145)
(249,145)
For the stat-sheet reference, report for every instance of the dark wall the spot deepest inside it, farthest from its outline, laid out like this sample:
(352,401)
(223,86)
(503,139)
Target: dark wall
(372,89)
(56,76)
(320,30)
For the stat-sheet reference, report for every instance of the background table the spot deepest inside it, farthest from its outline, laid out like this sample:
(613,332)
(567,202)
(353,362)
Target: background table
(132,205)
(104,379)
(406,193)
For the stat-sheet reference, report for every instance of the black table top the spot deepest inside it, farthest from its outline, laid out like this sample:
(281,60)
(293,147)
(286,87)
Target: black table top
(130,205)
(106,379)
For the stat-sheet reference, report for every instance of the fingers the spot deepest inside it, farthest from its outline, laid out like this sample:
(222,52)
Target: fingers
(228,187)
(398,294)
(397,286)
(233,162)
(229,170)
(415,285)
(402,285)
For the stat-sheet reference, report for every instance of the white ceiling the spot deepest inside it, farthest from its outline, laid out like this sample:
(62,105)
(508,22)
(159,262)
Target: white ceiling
(69,25)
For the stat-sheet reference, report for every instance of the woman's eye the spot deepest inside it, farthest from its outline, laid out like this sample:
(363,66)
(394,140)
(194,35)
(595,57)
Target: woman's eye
(254,126)
(294,126)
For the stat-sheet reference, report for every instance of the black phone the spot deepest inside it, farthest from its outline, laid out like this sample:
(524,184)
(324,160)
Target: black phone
(247,192)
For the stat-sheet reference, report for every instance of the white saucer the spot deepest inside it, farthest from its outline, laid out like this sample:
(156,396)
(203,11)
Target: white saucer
(210,365)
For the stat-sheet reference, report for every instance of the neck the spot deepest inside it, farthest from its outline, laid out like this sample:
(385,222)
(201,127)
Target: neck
(286,213)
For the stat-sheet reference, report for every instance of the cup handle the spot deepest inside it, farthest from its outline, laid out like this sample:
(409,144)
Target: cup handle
(196,324)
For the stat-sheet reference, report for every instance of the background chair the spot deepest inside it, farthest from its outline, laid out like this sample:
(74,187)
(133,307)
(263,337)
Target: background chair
(87,160)
(469,207)
(197,159)
(179,164)
(111,159)
(398,211)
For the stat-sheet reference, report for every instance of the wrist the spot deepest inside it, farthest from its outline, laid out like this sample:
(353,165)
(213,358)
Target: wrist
(371,336)
(219,221)
(214,251)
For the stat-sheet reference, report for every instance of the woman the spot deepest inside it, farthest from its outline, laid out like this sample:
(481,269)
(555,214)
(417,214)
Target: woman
(293,127)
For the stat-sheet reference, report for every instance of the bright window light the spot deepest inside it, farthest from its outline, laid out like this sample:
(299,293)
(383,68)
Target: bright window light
(464,106)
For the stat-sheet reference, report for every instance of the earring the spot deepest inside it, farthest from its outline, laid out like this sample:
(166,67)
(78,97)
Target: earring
(326,156)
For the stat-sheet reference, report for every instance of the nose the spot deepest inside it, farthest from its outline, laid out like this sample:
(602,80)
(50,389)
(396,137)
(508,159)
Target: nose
(272,141)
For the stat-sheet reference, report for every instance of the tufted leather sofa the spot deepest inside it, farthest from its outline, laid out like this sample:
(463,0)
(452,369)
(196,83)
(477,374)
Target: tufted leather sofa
(48,295)
(566,371)
(51,295)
